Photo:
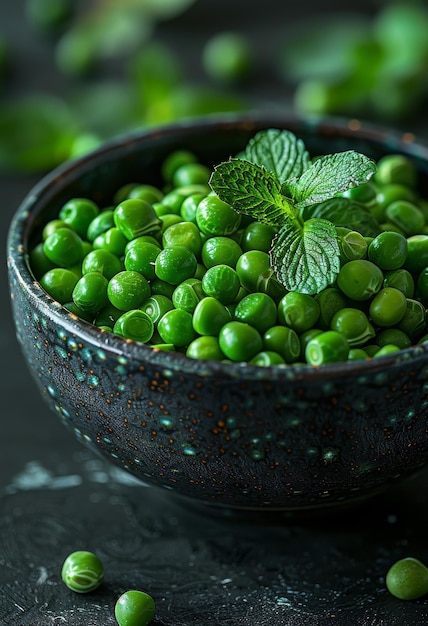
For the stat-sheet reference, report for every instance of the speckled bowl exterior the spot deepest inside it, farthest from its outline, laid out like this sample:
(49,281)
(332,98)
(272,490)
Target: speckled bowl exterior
(242,436)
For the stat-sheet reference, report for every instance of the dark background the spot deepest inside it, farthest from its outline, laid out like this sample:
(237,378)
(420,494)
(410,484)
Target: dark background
(201,567)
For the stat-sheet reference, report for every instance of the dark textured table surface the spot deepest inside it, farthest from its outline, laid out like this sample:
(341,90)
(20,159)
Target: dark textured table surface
(201,566)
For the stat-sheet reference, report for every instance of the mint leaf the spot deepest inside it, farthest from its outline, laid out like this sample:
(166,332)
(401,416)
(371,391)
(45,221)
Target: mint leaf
(252,190)
(330,175)
(280,152)
(345,212)
(306,258)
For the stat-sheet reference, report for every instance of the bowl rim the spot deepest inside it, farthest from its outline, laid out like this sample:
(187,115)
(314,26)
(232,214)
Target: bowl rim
(130,350)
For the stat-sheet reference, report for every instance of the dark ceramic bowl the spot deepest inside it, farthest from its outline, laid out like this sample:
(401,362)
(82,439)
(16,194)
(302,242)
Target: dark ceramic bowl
(227,434)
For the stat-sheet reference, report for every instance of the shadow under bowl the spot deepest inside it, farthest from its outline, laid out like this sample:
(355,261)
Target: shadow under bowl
(230,434)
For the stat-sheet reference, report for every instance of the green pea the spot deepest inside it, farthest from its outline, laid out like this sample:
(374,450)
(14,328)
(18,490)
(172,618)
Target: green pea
(388,250)
(407,579)
(258,236)
(305,338)
(101,261)
(215,217)
(227,57)
(393,336)
(187,294)
(371,350)
(135,217)
(406,216)
(400,279)
(206,347)
(63,247)
(90,292)
(162,288)
(210,316)
(176,327)
(330,300)
(299,311)
(417,253)
(357,354)
(413,322)
(59,283)
(392,192)
(257,309)
(221,282)
(174,199)
(107,316)
(39,262)
(127,290)
(183,234)
(79,312)
(82,571)
(240,341)
(352,244)
(174,264)
(191,174)
(100,224)
(189,205)
(52,226)
(148,193)
(142,258)
(360,279)
(134,324)
(365,193)
(156,306)
(327,347)
(112,240)
(397,169)
(134,608)
(174,160)
(388,307)
(220,250)
(354,325)
(267,358)
(78,213)
(284,341)
(256,274)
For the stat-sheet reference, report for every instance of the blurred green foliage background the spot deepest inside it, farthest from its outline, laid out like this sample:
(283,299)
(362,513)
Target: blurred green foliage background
(118,72)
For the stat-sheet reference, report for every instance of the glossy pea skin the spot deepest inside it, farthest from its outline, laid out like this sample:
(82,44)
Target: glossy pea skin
(209,316)
(63,247)
(39,262)
(360,279)
(220,250)
(82,571)
(90,292)
(283,340)
(215,217)
(135,217)
(330,301)
(406,216)
(141,258)
(388,307)
(59,282)
(222,283)
(395,168)
(258,236)
(191,174)
(267,358)
(175,264)
(299,311)
(413,322)
(183,234)
(352,245)
(187,294)
(257,309)
(400,279)
(174,160)
(148,193)
(393,336)
(255,273)
(101,261)
(176,327)
(134,324)
(78,213)
(127,290)
(417,253)
(327,347)
(112,240)
(407,579)
(134,608)
(156,306)
(205,347)
(354,325)
(388,250)
(100,224)
(240,341)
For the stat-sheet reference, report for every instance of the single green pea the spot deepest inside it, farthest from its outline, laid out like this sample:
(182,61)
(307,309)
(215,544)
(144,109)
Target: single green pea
(128,290)
(299,311)
(187,294)
(365,193)
(413,322)
(167,220)
(258,236)
(90,292)
(135,217)
(53,225)
(400,279)
(63,247)
(39,262)
(417,253)
(395,168)
(191,174)
(354,325)
(59,282)
(388,250)
(174,264)
(209,316)
(134,324)
(220,250)
(330,300)
(407,579)
(240,341)
(357,354)
(100,224)
(327,347)
(227,57)
(393,336)
(142,258)
(175,198)
(256,274)
(206,347)
(174,160)
(283,340)
(352,244)
(78,213)
(156,306)
(257,309)
(102,261)
(215,217)
(189,206)
(112,240)
(406,216)
(305,338)
(148,193)
(134,608)
(267,358)
(82,571)
(221,282)
(360,279)
(176,327)
(183,234)
(388,307)
(391,192)
(371,350)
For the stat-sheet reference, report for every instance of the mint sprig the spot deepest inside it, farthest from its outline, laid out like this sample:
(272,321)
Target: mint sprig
(275,182)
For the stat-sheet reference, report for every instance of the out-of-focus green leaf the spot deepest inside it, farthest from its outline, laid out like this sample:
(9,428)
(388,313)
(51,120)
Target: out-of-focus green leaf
(36,133)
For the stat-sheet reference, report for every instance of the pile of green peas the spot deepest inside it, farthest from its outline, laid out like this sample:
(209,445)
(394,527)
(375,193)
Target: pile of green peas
(178,269)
